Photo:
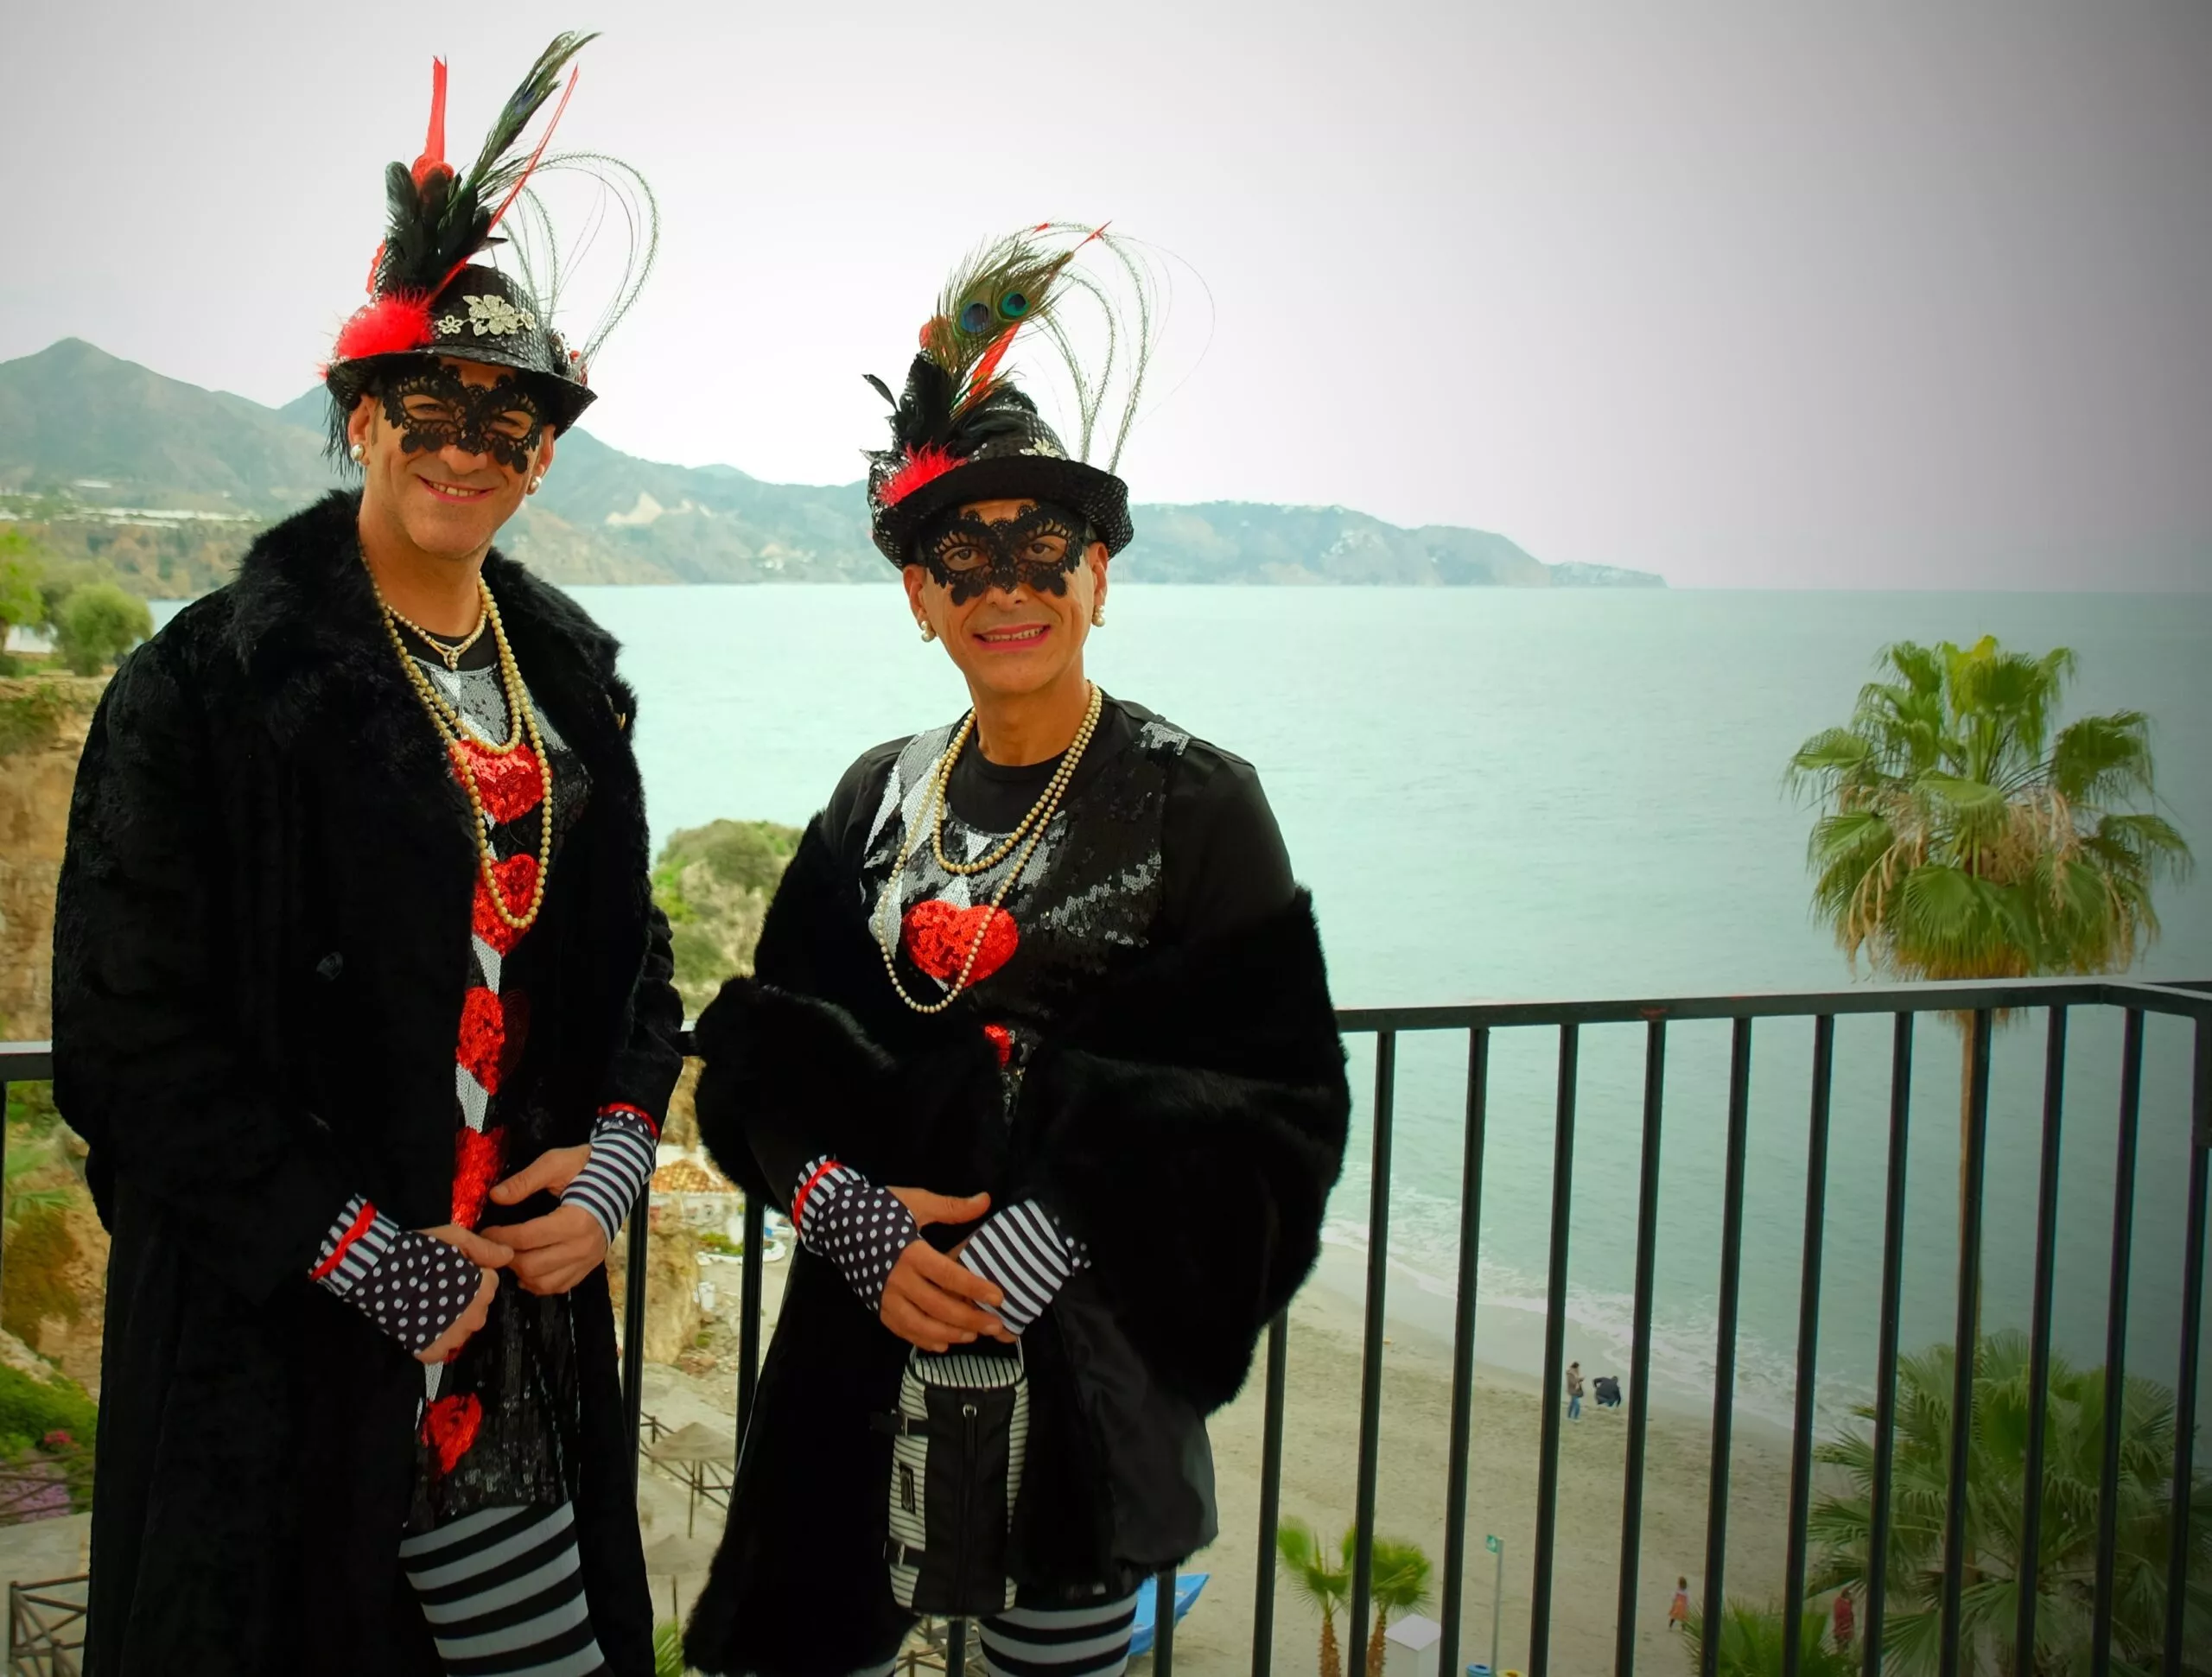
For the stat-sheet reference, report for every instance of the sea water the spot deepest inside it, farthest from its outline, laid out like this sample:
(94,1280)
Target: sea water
(1501,794)
(1506,794)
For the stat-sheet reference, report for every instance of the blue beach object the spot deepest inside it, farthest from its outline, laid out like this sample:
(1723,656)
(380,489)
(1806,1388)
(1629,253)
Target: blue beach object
(1187,1585)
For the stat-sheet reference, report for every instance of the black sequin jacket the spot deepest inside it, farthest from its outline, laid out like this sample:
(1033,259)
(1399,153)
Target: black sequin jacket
(1183,1106)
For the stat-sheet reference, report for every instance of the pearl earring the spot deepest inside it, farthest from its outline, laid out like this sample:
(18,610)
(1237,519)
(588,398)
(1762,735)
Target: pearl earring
(929,631)
(358,452)
(534,484)
(1099,615)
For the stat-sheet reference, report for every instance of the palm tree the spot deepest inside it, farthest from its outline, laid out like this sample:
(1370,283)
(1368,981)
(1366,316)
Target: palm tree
(1997,1495)
(1961,838)
(1752,1645)
(1397,1583)
(1322,1582)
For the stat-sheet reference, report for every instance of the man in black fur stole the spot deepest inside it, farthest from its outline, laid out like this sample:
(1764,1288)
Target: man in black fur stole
(1040,1052)
(356,955)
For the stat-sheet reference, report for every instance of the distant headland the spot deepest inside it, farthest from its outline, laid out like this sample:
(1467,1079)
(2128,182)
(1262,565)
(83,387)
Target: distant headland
(166,483)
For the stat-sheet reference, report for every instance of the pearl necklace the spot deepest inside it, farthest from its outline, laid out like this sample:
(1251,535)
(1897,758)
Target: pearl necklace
(1048,800)
(1034,823)
(451,651)
(452,727)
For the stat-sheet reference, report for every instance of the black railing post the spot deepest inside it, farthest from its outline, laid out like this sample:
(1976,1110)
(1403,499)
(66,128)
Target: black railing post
(1163,1622)
(1370,1379)
(1724,1369)
(1809,1344)
(3,1160)
(1639,1357)
(2030,1563)
(1263,1584)
(1540,1599)
(1965,1338)
(2123,1243)
(633,1319)
(1885,1355)
(2192,1314)
(749,1306)
(1463,1349)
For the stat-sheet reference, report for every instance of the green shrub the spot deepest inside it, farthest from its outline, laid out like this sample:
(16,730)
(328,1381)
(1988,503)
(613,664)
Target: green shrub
(97,624)
(31,1408)
(29,721)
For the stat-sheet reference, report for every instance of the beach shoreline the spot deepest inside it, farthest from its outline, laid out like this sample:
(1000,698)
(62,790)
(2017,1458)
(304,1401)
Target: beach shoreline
(1320,1479)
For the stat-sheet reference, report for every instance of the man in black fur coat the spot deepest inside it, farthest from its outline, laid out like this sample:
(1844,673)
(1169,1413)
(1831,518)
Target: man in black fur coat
(355,952)
(1038,1048)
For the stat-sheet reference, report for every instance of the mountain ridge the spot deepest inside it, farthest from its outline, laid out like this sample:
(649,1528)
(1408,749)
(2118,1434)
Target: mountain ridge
(167,482)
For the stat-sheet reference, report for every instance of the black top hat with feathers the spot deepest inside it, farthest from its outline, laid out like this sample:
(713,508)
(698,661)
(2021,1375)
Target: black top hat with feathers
(427,295)
(962,432)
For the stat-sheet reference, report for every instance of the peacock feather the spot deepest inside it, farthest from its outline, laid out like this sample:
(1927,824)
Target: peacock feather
(1004,286)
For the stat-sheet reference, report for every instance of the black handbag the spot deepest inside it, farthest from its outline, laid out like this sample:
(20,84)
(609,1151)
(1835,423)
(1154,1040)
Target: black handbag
(957,1437)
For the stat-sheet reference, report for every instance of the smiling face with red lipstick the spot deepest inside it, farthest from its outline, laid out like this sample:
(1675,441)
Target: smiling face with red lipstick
(1010,587)
(447,450)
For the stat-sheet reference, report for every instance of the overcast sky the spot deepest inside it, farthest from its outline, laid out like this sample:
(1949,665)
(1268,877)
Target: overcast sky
(1902,295)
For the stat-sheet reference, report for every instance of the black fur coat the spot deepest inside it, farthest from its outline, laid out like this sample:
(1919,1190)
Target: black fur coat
(1188,1122)
(261,948)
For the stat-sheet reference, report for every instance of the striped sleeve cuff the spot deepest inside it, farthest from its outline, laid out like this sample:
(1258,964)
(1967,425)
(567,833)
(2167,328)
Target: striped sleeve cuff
(354,1246)
(1024,1251)
(621,1166)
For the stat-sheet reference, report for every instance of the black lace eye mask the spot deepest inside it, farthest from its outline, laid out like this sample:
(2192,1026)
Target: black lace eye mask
(433,410)
(1038,548)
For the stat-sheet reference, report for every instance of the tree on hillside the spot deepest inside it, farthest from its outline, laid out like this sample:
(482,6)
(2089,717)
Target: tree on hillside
(97,624)
(1997,1497)
(1961,837)
(21,602)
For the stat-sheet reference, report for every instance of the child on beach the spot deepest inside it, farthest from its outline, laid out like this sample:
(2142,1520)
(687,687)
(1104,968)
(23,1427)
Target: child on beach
(1678,1610)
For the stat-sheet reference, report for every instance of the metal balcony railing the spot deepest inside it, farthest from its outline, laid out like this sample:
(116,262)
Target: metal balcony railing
(2057,999)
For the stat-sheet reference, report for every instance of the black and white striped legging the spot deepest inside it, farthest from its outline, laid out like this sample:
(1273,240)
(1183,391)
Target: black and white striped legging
(503,1591)
(1089,1640)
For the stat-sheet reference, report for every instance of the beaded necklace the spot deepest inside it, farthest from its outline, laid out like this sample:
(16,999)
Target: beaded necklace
(1034,824)
(521,721)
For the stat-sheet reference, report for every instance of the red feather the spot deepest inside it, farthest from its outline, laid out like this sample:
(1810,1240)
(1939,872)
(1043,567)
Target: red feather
(923,465)
(392,325)
(433,145)
(980,379)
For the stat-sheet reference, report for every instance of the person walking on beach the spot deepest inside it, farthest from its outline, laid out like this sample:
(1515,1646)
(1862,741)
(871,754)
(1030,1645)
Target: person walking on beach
(1574,1391)
(1040,978)
(355,941)
(1678,1610)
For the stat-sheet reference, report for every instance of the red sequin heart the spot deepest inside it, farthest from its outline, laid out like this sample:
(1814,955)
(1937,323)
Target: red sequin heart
(449,1427)
(939,935)
(482,1050)
(508,783)
(518,877)
(477,1156)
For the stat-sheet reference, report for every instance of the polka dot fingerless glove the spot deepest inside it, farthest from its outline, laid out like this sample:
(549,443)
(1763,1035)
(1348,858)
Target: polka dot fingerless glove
(861,1228)
(410,1285)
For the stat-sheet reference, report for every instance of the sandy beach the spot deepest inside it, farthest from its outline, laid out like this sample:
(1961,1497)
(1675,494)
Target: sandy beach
(1320,1460)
